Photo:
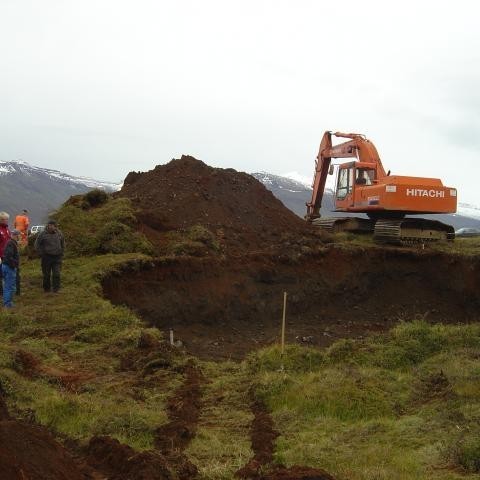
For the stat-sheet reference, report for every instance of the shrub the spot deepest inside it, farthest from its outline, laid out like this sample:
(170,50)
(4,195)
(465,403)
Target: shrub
(197,241)
(109,228)
(96,197)
(465,452)
(198,233)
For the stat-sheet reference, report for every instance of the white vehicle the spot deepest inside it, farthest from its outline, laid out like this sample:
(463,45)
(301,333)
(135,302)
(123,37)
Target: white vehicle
(468,232)
(36,229)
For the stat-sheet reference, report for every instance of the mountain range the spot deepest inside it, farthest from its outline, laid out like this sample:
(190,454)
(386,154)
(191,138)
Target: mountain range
(42,190)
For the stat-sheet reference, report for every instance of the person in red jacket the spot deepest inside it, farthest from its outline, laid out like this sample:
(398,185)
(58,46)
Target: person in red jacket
(4,237)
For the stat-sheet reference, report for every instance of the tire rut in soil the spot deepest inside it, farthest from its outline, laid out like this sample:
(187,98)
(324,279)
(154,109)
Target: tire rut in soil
(222,444)
(184,409)
(262,466)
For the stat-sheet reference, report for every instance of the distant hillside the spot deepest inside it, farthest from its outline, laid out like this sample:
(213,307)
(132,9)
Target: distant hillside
(294,194)
(40,190)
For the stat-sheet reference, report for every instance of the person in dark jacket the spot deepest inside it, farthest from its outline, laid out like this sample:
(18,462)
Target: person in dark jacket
(10,263)
(4,238)
(50,244)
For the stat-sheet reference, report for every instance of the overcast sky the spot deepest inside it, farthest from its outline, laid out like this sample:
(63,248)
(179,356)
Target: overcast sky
(101,87)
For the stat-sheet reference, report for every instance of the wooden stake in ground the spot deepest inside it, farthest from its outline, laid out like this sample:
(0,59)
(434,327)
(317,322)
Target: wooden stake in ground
(283,322)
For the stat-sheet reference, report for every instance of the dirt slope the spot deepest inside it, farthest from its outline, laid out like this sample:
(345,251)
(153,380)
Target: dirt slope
(29,452)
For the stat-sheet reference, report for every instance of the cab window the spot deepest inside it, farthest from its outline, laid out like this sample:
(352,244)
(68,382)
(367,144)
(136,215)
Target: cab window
(344,183)
(364,176)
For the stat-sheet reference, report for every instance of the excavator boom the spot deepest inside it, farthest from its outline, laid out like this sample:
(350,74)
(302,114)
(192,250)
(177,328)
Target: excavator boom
(357,147)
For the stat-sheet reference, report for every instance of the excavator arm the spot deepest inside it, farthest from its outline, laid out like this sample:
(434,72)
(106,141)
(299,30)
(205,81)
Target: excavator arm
(357,147)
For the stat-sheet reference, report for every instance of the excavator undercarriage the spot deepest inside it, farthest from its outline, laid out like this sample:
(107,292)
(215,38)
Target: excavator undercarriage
(405,231)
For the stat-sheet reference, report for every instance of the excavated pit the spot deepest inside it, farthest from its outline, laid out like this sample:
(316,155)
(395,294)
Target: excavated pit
(226,308)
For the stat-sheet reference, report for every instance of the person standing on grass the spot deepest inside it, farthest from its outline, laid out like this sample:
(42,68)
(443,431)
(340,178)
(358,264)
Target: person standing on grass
(22,222)
(50,244)
(10,263)
(4,238)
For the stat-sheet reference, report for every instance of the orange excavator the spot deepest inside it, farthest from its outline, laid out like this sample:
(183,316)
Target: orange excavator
(363,186)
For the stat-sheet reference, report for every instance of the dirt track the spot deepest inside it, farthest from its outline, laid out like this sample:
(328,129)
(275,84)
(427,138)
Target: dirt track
(184,409)
(262,465)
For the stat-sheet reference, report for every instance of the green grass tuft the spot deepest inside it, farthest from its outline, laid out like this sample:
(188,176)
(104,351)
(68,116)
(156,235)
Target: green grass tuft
(109,227)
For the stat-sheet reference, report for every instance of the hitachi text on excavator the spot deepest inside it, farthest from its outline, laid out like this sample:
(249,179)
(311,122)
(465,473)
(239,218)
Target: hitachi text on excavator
(364,187)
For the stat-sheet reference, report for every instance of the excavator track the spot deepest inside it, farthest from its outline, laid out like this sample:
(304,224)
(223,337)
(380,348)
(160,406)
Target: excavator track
(345,224)
(408,231)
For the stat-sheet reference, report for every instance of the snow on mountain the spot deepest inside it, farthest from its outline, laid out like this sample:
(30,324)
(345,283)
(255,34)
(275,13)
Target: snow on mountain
(297,177)
(25,169)
(41,190)
(272,181)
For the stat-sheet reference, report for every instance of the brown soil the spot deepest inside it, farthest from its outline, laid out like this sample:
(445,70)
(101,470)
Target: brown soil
(226,308)
(29,452)
(183,411)
(262,435)
(121,462)
(30,366)
(236,207)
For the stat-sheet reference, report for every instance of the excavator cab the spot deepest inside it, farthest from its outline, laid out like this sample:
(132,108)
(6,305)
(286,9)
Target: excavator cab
(352,176)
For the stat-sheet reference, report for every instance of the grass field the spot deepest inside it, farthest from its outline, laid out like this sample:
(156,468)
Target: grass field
(405,405)
(61,354)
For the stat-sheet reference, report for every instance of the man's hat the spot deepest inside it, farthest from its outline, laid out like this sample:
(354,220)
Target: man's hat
(51,222)
(25,210)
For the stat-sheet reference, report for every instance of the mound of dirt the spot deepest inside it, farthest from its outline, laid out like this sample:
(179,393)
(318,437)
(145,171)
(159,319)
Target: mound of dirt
(121,462)
(234,206)
(30,452)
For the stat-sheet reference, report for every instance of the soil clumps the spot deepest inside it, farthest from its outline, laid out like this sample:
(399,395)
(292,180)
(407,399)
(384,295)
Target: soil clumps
(234,206)
(29,452)
(262,435)
(121,462)
(184,409)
